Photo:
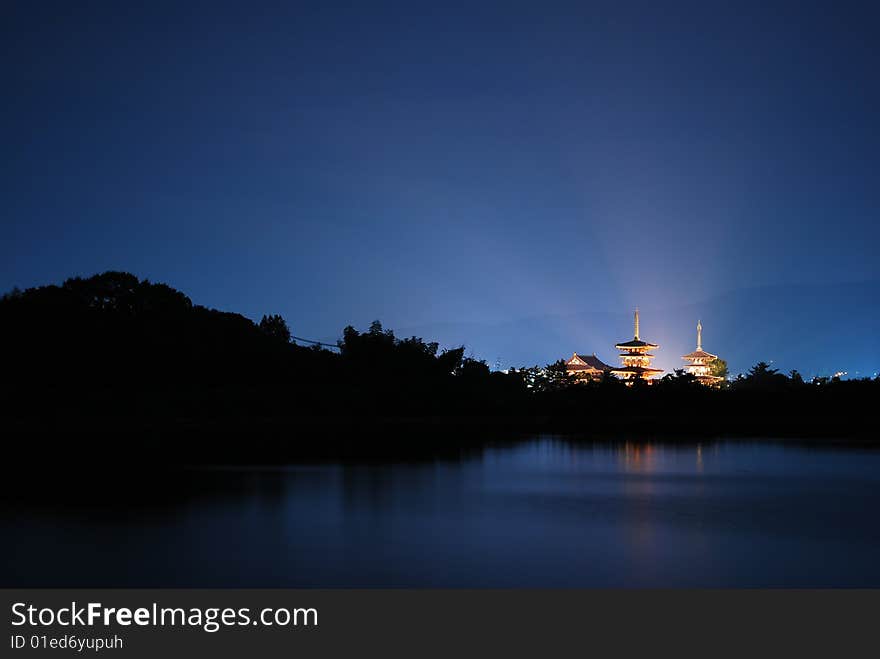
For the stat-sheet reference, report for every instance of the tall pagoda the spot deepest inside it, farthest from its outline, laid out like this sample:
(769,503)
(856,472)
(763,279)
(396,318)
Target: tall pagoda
(700,362)
(636,357)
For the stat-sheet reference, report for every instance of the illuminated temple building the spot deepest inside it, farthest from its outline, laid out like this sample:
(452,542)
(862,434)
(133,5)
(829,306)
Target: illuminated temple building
(636,357)
(700,361)
(586,367)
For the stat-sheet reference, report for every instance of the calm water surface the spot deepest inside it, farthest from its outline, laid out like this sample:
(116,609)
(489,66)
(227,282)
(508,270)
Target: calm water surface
(544,513)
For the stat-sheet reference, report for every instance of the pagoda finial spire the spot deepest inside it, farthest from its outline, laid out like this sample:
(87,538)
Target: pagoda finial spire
(636,324)
(699,335)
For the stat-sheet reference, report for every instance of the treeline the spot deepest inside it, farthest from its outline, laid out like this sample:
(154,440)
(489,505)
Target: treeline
(112,345)
(112,353)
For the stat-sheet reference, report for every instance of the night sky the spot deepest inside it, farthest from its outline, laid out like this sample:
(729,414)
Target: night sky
(517,176)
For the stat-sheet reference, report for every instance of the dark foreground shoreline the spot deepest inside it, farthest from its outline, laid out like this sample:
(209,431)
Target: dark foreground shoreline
(127,464)
(132,443)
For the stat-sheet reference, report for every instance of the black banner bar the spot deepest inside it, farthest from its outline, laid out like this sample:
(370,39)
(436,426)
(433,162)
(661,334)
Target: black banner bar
(442,623)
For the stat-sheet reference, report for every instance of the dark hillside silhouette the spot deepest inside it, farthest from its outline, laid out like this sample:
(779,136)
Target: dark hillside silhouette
(112,361)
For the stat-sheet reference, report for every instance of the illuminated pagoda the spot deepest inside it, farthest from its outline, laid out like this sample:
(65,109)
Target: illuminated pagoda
(586,367)
(700,361)
(636,357)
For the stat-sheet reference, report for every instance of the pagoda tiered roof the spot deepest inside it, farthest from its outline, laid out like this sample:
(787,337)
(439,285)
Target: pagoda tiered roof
(635,356)
(700,361)
(699,354)
(636,343)
(636,370)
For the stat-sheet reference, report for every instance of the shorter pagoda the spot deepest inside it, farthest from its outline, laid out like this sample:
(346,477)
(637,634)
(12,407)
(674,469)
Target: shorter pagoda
(700,362)
(636,357)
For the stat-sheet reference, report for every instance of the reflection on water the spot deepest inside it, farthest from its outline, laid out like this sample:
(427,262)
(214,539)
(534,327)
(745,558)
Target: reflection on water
(545,513)
(638,457)
(642,457)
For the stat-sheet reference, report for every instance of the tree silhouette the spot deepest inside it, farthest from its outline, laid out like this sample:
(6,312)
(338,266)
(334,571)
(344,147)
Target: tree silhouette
(679,380)
(473,370)
(718,368)
(557,376)
(276,328)
(762,376)
(761,371)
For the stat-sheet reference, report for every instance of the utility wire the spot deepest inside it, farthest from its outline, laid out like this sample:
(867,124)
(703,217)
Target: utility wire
(316,343)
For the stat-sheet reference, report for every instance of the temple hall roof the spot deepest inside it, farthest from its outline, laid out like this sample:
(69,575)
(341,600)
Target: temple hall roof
(591,361)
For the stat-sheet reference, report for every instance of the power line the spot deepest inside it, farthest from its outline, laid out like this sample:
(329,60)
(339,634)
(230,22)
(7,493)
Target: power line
(316,343)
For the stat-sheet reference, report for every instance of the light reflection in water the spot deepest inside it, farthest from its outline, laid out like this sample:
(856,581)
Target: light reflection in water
(638,458)
(642,458)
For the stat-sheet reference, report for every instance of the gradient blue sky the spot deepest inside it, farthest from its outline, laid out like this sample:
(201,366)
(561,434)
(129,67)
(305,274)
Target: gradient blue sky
(431,163)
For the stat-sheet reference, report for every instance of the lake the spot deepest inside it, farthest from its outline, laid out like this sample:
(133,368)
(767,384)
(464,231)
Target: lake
(539,513)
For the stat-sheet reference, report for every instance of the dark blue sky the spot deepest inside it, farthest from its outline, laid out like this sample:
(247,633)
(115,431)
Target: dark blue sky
(435,163)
